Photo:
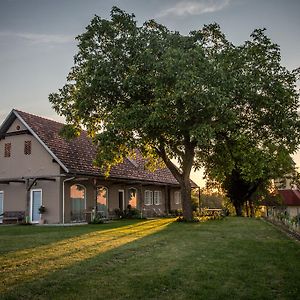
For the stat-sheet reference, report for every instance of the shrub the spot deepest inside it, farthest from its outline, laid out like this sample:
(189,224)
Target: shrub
(194,220)
(128,213)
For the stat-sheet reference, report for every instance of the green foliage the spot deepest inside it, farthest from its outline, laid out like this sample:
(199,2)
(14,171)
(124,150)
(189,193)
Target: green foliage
(128,213)
(212,200)
(176,212)
(98,220)
(195,98)
(42,209)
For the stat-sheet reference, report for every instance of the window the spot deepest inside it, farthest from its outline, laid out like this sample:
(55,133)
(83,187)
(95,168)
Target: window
(78,202)
(27,147)
(132,197)
(157,197)
(148,197)
(7,150)
(177,197)
(102,200)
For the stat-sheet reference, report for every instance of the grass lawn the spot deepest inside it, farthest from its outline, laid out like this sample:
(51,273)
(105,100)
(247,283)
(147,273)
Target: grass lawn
(236,258)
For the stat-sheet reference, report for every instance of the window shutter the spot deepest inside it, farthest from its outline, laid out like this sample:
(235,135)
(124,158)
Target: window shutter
(7,150)
(27,147)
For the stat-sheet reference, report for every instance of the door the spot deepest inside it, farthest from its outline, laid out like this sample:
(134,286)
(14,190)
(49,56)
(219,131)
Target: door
(35,204)
(121,199)
(1,206)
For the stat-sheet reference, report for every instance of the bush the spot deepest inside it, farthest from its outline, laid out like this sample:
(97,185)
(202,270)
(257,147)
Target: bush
(176,213)
(128,213)
(182,219)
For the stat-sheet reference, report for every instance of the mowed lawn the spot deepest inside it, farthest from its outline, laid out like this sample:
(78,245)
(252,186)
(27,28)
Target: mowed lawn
(235,258)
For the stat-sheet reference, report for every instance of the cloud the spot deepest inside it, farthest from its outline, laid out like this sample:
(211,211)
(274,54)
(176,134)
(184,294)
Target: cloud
(184,8)
(37,38)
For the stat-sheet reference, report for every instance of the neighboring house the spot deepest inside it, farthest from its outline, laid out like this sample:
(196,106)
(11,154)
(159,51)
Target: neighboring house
(290,201)
(39,167)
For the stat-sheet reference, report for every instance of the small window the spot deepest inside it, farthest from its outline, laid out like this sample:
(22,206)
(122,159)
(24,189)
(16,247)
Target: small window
(177,197)
(27,147)
(157,197)
(7,150)
(148,197)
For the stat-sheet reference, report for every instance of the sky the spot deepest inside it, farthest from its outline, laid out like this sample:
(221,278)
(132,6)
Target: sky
(37,38)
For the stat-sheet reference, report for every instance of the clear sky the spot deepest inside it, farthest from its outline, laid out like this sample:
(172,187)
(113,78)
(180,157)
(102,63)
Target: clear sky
(37,37)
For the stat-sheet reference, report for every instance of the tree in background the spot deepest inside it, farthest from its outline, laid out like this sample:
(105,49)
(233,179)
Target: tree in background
(173,96)
(245,171)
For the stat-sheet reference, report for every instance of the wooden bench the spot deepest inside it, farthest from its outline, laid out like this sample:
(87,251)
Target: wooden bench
(12,217)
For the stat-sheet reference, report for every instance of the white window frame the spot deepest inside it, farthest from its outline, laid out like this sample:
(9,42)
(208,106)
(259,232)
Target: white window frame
(177,199)
(31,198)
(2,208)
(157,198)
(150,200)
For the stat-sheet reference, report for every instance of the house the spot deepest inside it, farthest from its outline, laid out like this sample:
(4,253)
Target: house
(291,201)
(40,168)
(287,203)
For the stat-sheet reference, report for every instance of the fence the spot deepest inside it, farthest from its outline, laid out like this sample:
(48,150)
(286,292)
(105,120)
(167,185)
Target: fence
(282,216)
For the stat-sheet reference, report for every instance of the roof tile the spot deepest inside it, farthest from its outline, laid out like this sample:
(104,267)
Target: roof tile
(78,154)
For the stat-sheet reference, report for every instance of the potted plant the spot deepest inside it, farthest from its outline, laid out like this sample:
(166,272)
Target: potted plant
(42,210)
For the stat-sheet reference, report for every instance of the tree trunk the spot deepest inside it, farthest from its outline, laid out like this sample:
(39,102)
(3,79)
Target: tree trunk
(183,176)
(186,200)
(238,208)
(251,209)
(247,209)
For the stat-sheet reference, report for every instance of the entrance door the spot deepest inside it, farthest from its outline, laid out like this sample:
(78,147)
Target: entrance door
(1,206)
(35,204)
(121,200)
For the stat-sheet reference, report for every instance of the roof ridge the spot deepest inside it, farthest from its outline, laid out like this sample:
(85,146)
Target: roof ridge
(36,116)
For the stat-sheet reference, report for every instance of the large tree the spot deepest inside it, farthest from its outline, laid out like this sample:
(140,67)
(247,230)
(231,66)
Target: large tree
(244,169)
(171,95)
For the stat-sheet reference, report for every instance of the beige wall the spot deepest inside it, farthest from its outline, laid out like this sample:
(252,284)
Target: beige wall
(293,210)
(38,163)
(15,198)
(16,123)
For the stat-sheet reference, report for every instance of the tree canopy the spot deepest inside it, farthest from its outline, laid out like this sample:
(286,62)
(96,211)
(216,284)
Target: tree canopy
(175,96)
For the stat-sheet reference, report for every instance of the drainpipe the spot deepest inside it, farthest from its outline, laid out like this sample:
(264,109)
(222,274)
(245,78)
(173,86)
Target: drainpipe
(68,179)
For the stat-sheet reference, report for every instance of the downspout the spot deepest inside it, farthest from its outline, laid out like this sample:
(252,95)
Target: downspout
(68,179)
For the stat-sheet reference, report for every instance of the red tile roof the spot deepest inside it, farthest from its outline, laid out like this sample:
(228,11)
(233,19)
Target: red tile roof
(77,155)
(290,197)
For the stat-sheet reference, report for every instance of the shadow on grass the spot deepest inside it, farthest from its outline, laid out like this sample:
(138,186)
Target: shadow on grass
(17,237)
(161,259)
(27,265)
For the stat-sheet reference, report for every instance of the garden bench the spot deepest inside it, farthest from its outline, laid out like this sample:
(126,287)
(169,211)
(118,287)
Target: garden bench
(11,217)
